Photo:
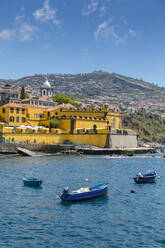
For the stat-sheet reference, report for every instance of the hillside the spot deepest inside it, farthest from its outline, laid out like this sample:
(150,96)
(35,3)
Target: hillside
(103,86)
(148,126)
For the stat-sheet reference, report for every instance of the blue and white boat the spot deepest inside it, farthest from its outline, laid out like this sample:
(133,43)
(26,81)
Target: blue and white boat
(32,181)
(84,193)
(149,177)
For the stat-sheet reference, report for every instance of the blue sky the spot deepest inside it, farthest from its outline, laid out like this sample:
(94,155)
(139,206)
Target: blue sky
(81,36)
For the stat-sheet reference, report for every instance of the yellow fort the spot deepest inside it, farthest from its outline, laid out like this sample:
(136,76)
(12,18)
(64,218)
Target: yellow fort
(23,123)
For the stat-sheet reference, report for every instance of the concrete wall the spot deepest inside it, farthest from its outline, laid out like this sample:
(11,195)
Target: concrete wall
(8,148)
(123,141)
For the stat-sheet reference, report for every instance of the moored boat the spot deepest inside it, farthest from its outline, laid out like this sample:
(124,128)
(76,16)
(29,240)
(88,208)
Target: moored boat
(32,181)
(146,178)
(84,193)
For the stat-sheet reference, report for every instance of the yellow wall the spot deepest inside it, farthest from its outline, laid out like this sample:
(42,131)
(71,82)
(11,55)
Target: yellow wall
(91,139)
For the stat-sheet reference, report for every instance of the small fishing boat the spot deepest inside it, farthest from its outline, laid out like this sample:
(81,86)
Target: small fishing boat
(32,181)
(149,177)
(84,193)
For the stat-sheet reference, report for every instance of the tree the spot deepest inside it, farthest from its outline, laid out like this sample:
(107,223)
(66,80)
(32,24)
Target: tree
(54,123)
(24,93)
(62,98)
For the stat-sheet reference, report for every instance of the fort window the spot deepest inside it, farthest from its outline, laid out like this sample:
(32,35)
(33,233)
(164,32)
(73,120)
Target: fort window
(95,118)
(90,118)
(17,119)
(23,111)
(40,115)
(17,110)
(11,110)
(56,113)
(23,119)
(35,115)
(48,114)
(11,118)
(80,117)
(85,117)
(4,110)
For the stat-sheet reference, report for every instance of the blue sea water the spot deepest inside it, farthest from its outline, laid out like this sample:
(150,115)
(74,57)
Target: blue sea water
(31,217)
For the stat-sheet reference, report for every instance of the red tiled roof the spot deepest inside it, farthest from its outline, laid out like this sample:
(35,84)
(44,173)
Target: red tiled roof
(16,105)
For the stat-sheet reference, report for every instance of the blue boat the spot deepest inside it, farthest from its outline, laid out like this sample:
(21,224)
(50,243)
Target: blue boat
(84,193)
(146,178)
(32,181)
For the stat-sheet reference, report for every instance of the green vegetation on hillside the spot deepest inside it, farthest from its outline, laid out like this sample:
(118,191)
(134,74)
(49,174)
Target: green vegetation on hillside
(149,127)
(61,98)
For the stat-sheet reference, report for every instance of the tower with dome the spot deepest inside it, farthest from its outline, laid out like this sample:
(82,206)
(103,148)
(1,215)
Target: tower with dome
(46,89)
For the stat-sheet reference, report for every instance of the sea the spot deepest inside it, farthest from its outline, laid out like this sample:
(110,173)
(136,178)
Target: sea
(35,217)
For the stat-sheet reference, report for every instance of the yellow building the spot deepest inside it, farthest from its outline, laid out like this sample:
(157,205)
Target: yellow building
(22,123)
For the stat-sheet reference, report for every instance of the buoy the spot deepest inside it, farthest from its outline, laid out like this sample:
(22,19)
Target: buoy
(132,191)
(158,177)
(86,179)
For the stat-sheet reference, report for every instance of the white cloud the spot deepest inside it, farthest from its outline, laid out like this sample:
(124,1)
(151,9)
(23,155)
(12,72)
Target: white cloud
(102,10)
(107,30)
(46,14)
(6,34)
(123,39)
(92,7)
(26,32)
(23,32)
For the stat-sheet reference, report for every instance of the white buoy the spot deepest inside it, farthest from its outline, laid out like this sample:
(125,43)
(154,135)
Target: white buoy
(86,179)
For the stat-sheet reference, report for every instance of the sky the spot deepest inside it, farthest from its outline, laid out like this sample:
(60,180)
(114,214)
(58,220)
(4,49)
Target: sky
(81,36)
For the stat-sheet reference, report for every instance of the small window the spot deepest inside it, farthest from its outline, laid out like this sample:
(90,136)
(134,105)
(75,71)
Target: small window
(17,119)
(23,119)
(40,115)
(11,110)
(23,111)
(17,110)
(11,118)
(4,110)
(35,115)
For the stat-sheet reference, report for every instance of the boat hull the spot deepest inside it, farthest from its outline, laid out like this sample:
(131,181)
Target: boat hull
(32,183)
(145,180)
(85,196)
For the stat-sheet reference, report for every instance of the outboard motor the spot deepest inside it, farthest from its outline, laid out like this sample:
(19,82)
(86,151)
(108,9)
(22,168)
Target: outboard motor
(65,191)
